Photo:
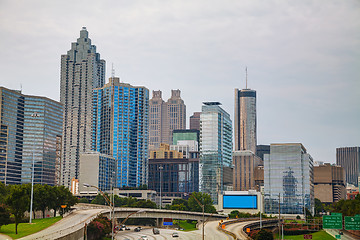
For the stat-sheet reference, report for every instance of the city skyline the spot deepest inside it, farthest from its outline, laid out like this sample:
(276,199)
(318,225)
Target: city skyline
(302,58)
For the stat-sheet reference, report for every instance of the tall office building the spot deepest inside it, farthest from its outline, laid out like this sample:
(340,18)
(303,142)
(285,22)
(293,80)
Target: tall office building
(29,132)
(215,150)
(349,159)
(165,117)
(288,178)
(195,121)
(82,70)
(245,120)
(120,129)
(245,160)
(329,183)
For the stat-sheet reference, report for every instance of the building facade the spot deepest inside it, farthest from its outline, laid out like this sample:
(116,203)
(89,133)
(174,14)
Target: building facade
(245,167)
(98,170)
(165,117)
(329,183)
(82,70)
(349,159)
(195,121)
(175,174)
(30,129)
(245,120)
(120,129)
(215,150)
(288,178)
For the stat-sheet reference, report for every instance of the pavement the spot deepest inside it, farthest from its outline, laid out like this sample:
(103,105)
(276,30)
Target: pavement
(345,236)
(5,237)
(68,224)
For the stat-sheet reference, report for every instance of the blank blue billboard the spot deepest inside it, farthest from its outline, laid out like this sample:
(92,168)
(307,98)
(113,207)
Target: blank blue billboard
(240,201)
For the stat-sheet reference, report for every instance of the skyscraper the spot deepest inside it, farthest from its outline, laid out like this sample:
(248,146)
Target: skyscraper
(215,150)
(245,120)
(82,70)
(195,121)
(165,117)
(288,178)
(244,157)
(29,132)
(120,129)
(349,159)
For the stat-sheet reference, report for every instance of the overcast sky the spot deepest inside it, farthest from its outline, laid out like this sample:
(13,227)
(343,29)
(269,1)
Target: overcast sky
(303,57)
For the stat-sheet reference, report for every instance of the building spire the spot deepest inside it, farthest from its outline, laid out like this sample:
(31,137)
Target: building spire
(112,71)
(246,77)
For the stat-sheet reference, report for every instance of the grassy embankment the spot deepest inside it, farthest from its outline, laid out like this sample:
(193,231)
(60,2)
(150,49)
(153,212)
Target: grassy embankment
(321,235)
(25,229)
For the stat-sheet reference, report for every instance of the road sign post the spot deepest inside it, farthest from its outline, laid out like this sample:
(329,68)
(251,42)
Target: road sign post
(352,223)
(332,221)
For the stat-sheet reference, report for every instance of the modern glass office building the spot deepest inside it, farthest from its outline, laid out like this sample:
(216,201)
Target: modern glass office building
(215,150)
(30,129)
(288,178)
(120,129)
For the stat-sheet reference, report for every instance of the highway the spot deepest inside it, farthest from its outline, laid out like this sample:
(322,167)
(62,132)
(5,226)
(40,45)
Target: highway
(211,233)
(236,229)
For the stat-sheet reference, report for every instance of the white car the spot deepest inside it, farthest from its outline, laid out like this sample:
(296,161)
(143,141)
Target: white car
(143,238)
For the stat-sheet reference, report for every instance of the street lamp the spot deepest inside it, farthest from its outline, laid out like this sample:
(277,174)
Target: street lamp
(140,211)
(160,168)
(34,115)
(111,204)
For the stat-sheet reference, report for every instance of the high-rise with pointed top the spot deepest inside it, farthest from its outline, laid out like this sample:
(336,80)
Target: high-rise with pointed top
(82,70)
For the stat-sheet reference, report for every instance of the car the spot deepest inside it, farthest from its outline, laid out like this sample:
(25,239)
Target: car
(137,229)
(175,234)
(156,231)
(341,233)
(144,238)
(127,228)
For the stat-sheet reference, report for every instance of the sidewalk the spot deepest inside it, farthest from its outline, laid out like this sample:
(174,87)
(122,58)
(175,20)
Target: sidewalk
(4,237)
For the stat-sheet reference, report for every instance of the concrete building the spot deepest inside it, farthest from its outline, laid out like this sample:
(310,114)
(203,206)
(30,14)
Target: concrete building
(349,159)
(288,175)
(175,174)
(215,150)
(195,121)
(165,117)
(120,129)
(329,183)
(245,164)
(30,127)
(98,170)
(82,70)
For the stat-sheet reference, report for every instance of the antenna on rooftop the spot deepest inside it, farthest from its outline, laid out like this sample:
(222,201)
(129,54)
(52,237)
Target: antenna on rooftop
(112,71)
(20,87)
(246,76)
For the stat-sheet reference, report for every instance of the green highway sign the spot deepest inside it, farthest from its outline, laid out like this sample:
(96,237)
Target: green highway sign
(352,223)
(336,214)
(332,222)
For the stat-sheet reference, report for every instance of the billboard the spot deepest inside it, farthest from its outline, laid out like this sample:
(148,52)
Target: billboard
(240,201)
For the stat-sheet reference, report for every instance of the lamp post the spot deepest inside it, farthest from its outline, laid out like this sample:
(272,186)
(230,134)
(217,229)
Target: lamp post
(34,115)
(203,221)
(160,168)
(111,204)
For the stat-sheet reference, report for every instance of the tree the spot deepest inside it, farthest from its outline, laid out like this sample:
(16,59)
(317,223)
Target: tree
(83,200)
(145,204)
(204,199)
(319,207)
(99,199)
(61,196)
(18,200)
(264,234)
(3,192)
(4,215)
(42,198)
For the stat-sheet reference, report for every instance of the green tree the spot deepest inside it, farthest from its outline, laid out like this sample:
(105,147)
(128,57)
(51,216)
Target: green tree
(18,200)
(142,203)
(42,198)
(204,199)
(319,207)
(61,196)
(83,200)
(264,234)
(3,192)
(4,215)
(99,199)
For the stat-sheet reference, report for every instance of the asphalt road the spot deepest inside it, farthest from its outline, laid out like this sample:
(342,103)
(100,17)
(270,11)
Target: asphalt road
(345,235)
(211,233)
(236,229)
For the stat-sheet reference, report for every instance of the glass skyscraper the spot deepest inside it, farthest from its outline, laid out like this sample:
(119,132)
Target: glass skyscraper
(215,150)
(288,178)
(82,70)
(30,129)
(120,129)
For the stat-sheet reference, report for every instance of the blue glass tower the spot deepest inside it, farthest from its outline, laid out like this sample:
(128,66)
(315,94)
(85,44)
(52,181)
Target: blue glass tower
(120,129)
